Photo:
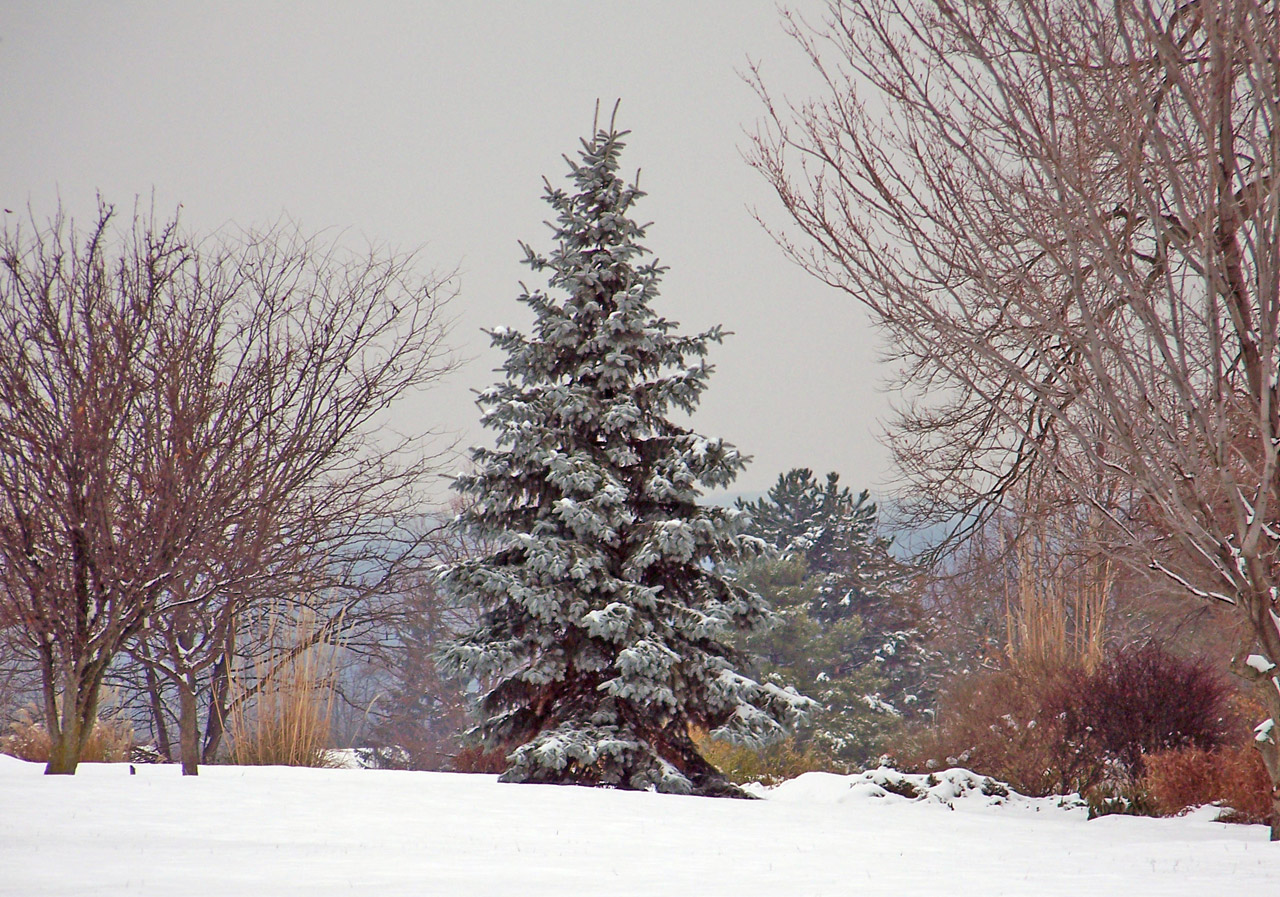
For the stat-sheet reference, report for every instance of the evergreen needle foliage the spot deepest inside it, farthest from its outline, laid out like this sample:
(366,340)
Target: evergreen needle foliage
(607,627)
(852,631)
(826,660)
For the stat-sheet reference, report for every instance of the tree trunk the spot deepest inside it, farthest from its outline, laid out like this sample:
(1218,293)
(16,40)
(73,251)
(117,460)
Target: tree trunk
(64,750)
(1270,750)
(69,730)
(157,711)
(49,691)
(1275,807)
(219,688)
(189,738)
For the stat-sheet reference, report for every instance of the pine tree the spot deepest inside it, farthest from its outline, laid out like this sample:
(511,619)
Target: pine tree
(855,578)
(607,628)
(818,522)
(824,659)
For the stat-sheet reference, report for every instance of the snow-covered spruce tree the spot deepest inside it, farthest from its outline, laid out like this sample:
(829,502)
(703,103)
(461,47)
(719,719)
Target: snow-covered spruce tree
(606,628)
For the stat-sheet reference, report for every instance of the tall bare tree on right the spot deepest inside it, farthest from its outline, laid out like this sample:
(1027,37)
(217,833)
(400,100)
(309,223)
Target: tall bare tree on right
(1066,214)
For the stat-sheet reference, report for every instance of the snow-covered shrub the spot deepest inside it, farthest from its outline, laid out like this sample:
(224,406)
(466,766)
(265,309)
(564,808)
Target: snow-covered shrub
(955,788)
(1122,795)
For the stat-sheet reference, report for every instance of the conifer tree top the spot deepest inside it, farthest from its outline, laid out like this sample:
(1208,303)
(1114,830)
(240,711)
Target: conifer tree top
(603,334)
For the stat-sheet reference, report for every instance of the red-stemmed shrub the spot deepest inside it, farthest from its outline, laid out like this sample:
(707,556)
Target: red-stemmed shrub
(1145,700)
(1049,730)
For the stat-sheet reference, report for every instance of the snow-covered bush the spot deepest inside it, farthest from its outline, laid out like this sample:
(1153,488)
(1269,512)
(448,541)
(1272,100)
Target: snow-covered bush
(955,788)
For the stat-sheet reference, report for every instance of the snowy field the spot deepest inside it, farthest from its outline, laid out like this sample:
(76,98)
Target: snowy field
(246,832)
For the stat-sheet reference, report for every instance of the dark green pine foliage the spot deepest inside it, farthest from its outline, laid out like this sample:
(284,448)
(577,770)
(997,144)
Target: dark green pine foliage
(836,534)
(853,579)
(822,659)
(607,630)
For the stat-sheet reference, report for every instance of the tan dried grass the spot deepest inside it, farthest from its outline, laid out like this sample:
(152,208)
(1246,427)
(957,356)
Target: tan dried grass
(741,763)
(1232,777)
(1056,611)
(286,721)
(111,741)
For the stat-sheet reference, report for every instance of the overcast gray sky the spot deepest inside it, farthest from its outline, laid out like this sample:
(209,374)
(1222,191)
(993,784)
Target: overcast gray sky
(430,125)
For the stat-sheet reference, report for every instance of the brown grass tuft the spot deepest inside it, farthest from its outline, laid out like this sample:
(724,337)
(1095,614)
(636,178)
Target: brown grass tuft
(289,721)
(475,758)
(111,741)
(1232,777)
(776,763)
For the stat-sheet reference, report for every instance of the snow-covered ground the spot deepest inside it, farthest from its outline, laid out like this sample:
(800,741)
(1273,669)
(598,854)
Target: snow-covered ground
(246,832)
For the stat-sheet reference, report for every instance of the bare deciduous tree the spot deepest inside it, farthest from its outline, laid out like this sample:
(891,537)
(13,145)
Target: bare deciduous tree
(1066,215)
(183,428)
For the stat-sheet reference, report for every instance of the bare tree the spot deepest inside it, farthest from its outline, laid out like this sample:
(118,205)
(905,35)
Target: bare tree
(1066,215)
(180,427)
(417,715)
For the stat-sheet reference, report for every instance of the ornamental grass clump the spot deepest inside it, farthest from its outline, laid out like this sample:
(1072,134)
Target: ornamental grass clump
(284,717)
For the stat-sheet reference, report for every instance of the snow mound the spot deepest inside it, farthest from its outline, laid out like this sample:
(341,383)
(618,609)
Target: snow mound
(955,788)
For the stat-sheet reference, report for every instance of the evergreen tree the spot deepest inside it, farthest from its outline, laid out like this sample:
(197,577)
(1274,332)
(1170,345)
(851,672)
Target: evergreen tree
(607,628)
(823,659)
(420,714)
(854,577)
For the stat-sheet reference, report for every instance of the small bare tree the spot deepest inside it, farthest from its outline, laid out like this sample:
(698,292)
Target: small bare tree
(180,427)
(1066,215)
